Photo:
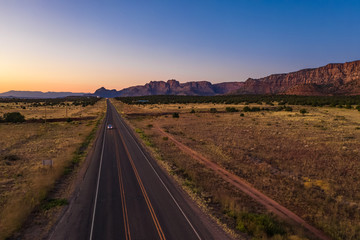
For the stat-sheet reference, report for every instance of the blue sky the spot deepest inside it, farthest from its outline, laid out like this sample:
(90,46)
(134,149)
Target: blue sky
(82,45)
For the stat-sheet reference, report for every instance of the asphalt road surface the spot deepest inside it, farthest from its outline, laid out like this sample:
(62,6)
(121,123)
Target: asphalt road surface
(126,195)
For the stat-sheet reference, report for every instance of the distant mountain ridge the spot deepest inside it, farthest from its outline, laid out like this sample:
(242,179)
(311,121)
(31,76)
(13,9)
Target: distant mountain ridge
(332,79)
(172,87)
(38,94)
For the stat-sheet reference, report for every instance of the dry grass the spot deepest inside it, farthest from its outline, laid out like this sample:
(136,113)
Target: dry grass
(310,164)
(57,111)
(24,182)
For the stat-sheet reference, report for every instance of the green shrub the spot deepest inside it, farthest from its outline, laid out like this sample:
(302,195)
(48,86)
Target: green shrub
(241,115)
(231,109)
(192,111)
(51,203)
(254,109)
(144,137)
(246,109)
(258,224)
(11,157)
(14,117)
(175,115)
(288,109)
(303,111)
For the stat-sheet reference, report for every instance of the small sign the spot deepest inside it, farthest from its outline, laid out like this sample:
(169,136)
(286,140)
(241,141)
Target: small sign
(47,162)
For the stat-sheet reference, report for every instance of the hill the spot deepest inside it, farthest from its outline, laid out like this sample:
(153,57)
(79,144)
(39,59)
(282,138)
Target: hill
(38,94)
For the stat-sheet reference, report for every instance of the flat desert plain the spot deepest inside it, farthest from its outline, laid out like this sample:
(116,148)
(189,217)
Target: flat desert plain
(308,163)
(24,181)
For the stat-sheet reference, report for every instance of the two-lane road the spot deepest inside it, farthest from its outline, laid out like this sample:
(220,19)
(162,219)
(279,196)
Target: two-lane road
(126,195)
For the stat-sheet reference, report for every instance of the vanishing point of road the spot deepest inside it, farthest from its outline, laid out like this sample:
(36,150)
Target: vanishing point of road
(124,194)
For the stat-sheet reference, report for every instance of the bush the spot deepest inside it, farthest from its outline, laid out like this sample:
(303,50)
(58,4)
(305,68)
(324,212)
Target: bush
(192,111)
(14,117)
(11,157)
(257,224)
(254,109)
(175,115)
(213,110)
(303,111)
(246,109)
(241,115)
(288,109)
(51,203)
(231,109)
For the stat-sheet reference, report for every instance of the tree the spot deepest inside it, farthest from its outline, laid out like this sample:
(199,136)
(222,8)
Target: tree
(231,109)
(303,111)
(288,109)
(213,110)
(14,117)
(246,109)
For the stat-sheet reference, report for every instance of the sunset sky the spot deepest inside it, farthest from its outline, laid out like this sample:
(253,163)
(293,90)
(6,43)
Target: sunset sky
(79,46)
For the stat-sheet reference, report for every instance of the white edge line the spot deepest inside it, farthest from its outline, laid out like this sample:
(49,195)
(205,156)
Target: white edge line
(177,204)
(97,185)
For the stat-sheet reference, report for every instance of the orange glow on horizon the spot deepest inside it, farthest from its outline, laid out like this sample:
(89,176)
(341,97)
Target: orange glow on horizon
(84,83)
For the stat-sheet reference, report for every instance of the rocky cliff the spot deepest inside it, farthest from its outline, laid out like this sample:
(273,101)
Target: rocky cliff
(172,87)
(332,79)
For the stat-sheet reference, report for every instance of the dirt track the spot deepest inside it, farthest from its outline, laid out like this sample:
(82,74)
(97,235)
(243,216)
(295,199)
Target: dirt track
(245,187)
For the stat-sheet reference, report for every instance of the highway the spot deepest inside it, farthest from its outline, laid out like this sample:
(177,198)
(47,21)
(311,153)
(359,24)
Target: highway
(124,194)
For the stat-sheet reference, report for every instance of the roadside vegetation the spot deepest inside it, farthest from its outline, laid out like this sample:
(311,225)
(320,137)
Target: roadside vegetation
(24,181)
(302,156)
(315,101)
(39,109)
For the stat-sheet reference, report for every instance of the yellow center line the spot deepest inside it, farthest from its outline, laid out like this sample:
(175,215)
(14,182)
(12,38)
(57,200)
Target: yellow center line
(150,207)
(122,192)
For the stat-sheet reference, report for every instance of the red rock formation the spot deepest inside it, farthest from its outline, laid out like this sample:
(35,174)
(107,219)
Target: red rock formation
(332,79)
(173,87)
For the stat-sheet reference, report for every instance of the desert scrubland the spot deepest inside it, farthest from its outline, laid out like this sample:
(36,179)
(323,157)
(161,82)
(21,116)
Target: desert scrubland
(24,181)
(308,162)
